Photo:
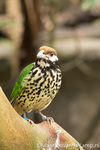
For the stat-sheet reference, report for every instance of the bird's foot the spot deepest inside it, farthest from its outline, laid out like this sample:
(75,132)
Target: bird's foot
(45,118)
(29,120)
(49,119)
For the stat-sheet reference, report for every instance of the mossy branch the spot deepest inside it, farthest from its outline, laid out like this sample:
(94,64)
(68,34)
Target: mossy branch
(18,134)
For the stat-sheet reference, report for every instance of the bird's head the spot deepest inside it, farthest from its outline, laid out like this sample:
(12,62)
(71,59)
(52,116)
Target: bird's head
(47,53)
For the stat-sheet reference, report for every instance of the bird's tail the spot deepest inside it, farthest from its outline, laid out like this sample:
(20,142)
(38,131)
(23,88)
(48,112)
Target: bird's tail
(18,110)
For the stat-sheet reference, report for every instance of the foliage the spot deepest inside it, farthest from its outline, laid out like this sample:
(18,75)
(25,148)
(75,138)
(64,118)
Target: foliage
(89,4)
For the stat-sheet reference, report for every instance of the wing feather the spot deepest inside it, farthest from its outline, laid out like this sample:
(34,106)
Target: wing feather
(20,85)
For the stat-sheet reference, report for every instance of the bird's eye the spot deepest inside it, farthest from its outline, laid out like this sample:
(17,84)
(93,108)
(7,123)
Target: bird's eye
(51,53)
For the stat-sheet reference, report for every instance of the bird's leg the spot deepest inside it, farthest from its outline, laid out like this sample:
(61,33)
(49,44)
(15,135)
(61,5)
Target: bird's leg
(29,120)
(24,115)
(50,119)
(43,116)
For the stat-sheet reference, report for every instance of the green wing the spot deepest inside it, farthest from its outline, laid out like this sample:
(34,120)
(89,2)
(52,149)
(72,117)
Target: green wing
(19,86)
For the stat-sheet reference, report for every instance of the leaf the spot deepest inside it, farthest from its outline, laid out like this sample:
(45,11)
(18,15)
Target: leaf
(89,4)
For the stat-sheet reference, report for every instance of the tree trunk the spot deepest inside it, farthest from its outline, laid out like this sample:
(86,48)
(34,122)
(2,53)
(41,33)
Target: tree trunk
(18,134)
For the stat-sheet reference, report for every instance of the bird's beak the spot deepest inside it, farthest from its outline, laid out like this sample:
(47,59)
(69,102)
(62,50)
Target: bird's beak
(40,54)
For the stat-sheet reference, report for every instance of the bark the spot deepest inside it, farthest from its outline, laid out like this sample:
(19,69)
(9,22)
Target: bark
(18,134)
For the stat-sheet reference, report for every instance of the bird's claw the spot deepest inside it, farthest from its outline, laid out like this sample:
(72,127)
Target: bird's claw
(30,121)
(49,119)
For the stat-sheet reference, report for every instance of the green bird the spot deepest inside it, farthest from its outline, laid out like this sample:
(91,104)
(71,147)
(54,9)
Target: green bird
(38,83)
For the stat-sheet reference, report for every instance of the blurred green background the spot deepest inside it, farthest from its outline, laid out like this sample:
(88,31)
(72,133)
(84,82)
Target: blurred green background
(72,27)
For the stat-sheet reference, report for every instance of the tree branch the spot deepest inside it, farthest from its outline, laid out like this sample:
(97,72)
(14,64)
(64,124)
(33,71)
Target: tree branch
(18,134)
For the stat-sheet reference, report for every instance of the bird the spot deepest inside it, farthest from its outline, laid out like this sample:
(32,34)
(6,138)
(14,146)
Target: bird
(37,84)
